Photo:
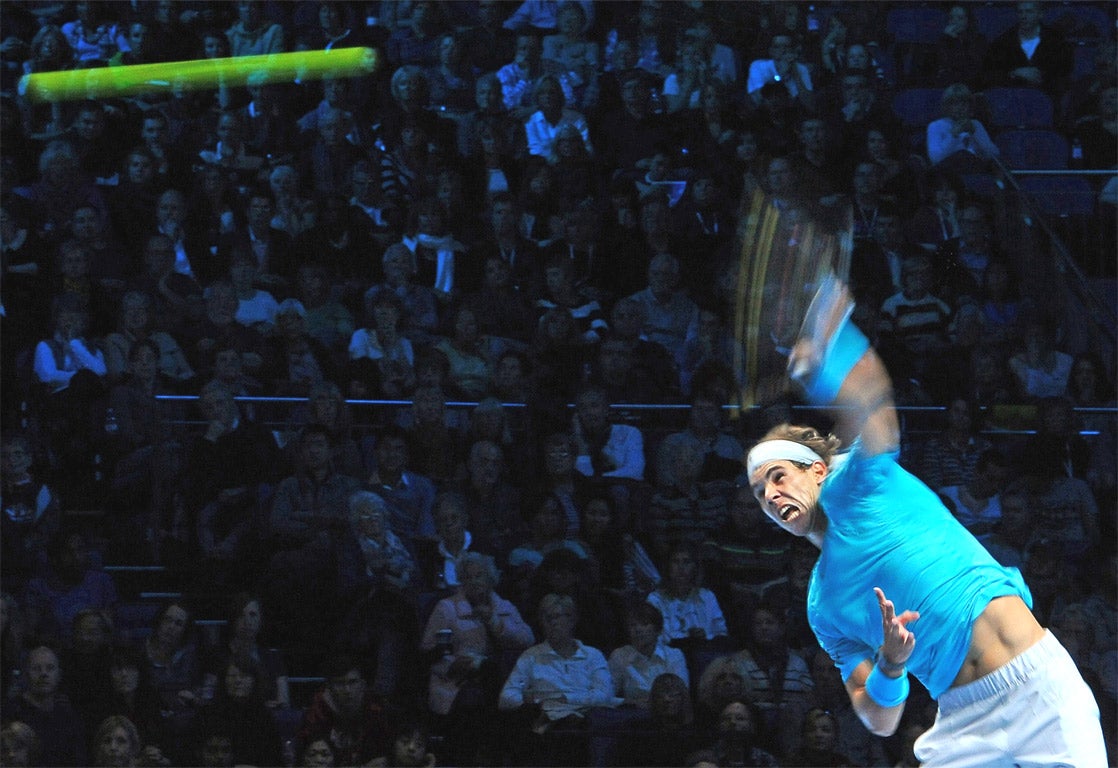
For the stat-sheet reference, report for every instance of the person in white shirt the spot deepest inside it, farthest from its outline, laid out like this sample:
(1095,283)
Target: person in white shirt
(691,612)
(59,358)
(542,128)
(634,667)
(783,66)
(957,131)
(605,449)
(558,680)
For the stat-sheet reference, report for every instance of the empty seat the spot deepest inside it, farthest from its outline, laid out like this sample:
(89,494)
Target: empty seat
(1034,149)
(1018,108)
(994,18)
(1060,195)
(1079,21)
(916,107)
(915,24)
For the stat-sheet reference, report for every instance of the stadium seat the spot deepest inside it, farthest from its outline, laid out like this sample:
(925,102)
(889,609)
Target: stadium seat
(1060,195)
(994,18)
(1034,149)
(1018,108)
(915,24)
(916,107)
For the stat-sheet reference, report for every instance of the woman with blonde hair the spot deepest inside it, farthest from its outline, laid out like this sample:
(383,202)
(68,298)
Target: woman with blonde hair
(957,131)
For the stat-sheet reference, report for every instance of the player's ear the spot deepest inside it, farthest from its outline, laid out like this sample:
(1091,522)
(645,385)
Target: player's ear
(819,470)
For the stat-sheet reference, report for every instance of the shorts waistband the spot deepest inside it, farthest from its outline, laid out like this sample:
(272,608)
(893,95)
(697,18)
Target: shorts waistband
(1006,677)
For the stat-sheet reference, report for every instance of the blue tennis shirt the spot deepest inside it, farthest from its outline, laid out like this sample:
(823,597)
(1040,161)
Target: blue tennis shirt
(887,529)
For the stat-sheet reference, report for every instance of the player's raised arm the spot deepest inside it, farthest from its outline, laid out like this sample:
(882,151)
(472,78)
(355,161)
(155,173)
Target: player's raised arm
(836,366)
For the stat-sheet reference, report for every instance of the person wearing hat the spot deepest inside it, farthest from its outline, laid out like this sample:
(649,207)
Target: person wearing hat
(1008,692)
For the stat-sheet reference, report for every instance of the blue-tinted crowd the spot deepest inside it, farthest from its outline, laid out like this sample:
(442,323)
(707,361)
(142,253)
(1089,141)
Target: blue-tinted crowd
(394,419)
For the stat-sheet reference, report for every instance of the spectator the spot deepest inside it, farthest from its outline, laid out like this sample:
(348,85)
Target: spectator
(420,312)
(117,743)
(636,667)
(32,515)
(1029,54)
(916,320)
(409,494)
(949,457)
(569,51)
(327,407)
(829,695)
(671,316)
(819,739)
(1039,368)
(960,50)
(451,77)
(170,657)
(136,324)
(382,361)
(957,137)
(1013,534)
(327,319)
(272,248)
(936,221)
(543,127)
(518,76)
(783,66)
(416,43)
(346,714)
(378,588)
(684,507)
(623,569)
(238,707)
(738,727)
(691,612)
(778,677)
(252,34)
(605,450)
(553,682)
(465,677)
(706,428)
(977,504)
(72,582)
(670,735)
(225,482)
(59,359)
(470,360)
(241,638)
(43,707)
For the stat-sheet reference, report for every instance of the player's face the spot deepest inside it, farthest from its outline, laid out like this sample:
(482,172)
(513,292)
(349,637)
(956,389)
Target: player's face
(790,495)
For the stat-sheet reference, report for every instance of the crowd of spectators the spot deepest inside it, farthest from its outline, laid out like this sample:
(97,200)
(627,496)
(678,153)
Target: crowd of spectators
(356,365)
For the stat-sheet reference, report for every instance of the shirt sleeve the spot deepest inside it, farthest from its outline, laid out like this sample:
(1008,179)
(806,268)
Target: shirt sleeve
(46,370)
(512,694)
(599,691)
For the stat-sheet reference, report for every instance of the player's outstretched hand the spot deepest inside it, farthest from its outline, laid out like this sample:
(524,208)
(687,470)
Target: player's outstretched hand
(899,640)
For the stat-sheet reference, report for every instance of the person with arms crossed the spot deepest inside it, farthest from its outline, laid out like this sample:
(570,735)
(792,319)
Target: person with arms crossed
(1008,692)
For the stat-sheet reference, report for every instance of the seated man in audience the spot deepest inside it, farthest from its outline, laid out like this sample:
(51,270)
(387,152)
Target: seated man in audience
(408,494)
(671,317)
(228,470)
(605,450)
(356,724)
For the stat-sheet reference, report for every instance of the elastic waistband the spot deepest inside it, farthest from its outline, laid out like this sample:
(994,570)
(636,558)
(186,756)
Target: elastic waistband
(1006,677)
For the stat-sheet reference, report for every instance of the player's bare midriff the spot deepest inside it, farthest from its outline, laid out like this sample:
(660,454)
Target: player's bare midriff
(1003,631)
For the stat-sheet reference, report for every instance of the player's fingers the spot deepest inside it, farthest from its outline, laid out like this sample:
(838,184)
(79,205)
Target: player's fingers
(908,616)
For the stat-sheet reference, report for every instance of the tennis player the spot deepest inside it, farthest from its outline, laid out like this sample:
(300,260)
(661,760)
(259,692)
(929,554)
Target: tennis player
(901,587)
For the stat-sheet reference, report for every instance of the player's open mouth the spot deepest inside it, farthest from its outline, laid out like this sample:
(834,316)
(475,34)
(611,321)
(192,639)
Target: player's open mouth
(787,511)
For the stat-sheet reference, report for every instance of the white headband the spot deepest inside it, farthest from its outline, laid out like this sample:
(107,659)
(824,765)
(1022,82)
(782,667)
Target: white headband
(779,450)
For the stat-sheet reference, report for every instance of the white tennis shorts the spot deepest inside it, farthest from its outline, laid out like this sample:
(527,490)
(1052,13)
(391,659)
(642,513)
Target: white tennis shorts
(1034,711)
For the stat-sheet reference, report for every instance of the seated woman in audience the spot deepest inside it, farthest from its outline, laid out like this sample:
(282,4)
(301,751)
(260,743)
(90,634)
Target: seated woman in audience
(957,137)
(818,742)
(692,616)
(136,323)
(171,657)
(636,667)
(623,567)
(117,743)
(131,694)
(1039,368)
(67,353)
(670,735)
(937,220)
(554,683)
(470,370)
(419,315)
(382,360)
(19,744)
(238,706)
(244,621)
(738,730)
(465,672)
